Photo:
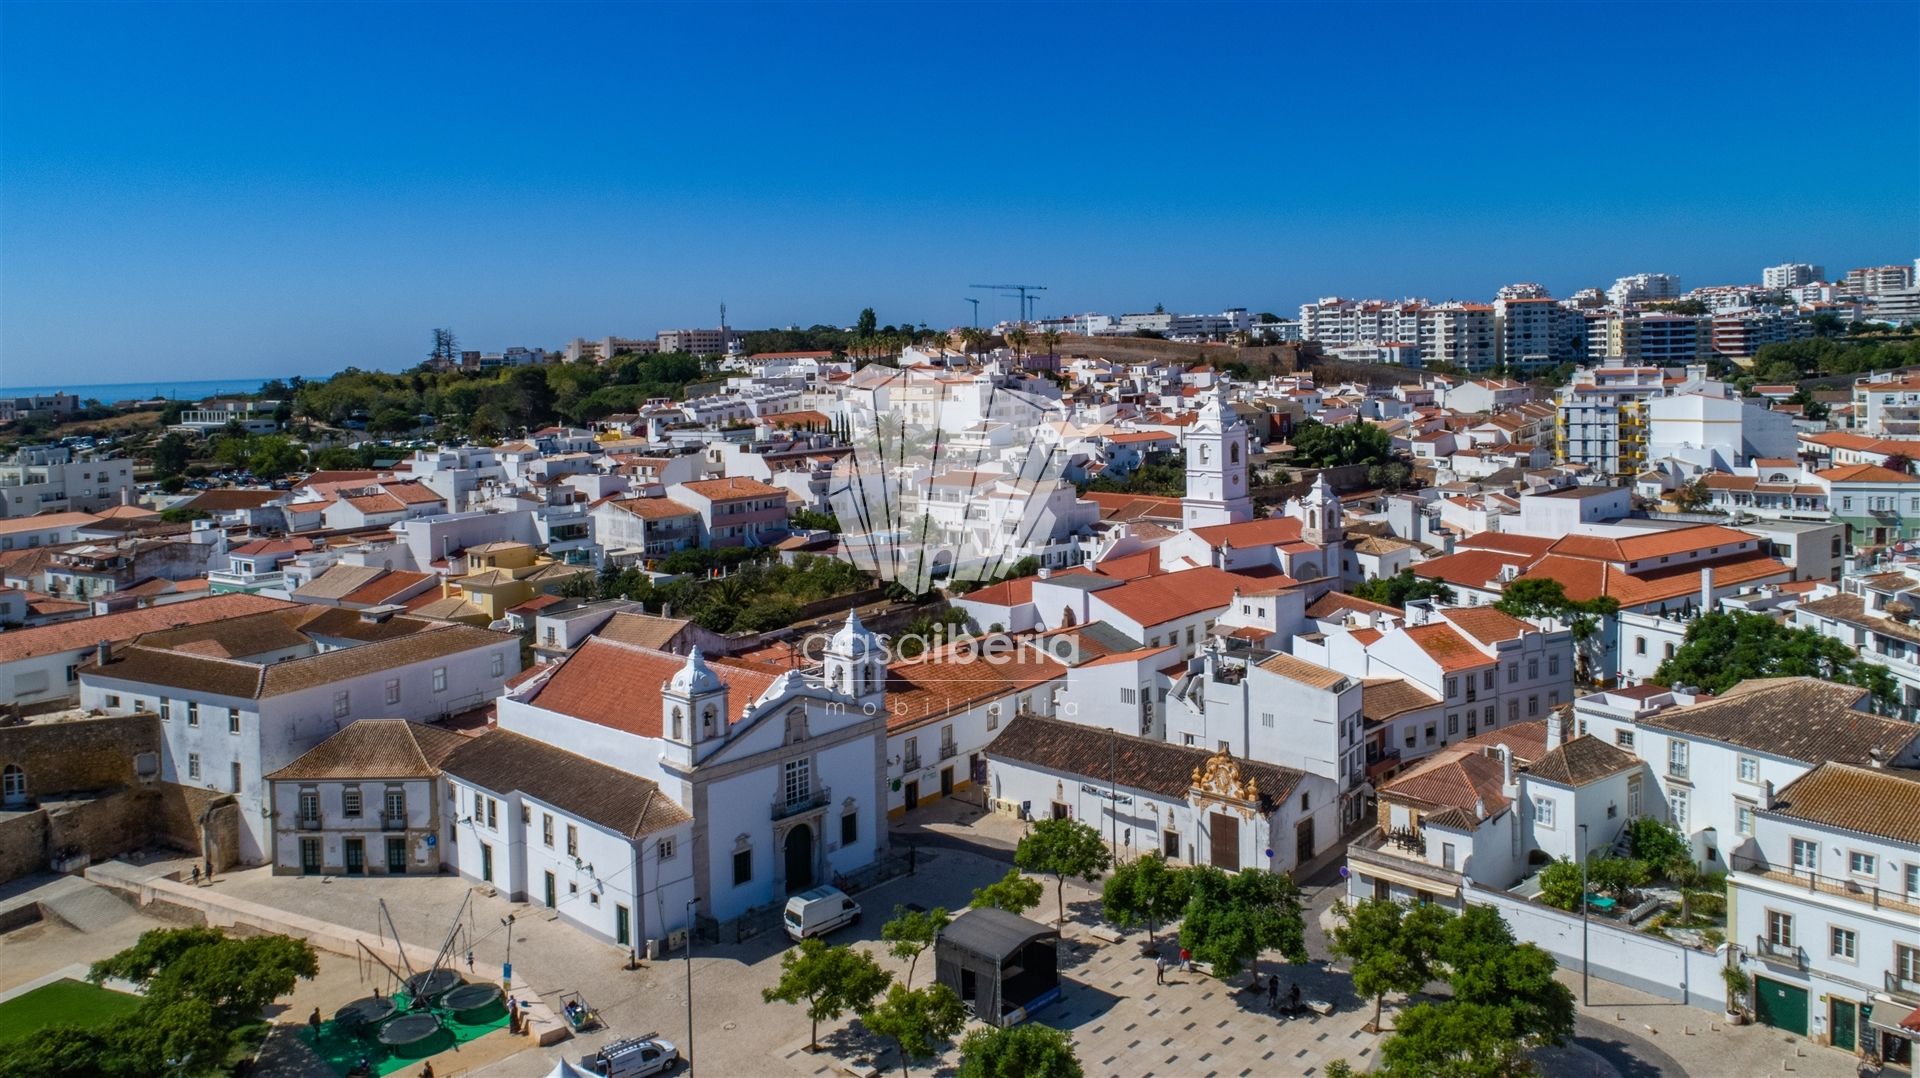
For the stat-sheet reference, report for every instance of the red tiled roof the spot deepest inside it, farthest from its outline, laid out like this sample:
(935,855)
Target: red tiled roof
(128,624)
(1155,600)
(1447,647)
(733,486)
(618,685)
(1454,779)
(1485,624)
(653,508)
(920,689)
(1865,473)
(383,587)
(1262,532)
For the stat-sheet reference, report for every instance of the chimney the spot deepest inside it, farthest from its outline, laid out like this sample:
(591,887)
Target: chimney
(1766,794)
(126,495)
(1045,572)
(1876,759)
(1706,590)
(1556,728)
(1507,786)
(102,652)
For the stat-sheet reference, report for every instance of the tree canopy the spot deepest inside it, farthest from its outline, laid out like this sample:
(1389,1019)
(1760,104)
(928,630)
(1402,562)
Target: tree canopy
(917,1019)
(1723,649)
(1230,919)
(829,980)
(1062,848)
(1013,892)
(1028,1050)
(1401,588)
(1391,947)
(1144,890)
(911,932)
(1317,444)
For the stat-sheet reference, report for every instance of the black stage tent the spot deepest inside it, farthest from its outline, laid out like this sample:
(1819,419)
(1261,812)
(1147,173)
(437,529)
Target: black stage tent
(1000,964)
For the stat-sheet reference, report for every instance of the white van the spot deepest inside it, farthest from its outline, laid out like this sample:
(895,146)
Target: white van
(634,1057)
(823,909)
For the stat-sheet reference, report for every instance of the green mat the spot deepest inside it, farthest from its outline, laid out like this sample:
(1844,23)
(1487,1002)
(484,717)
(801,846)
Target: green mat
(62,1003)
(342,1048)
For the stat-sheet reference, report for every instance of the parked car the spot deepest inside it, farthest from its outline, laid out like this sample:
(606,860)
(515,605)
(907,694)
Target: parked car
(634,1057)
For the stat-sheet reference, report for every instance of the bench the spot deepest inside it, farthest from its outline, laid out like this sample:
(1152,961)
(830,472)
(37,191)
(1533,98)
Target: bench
(1644,910)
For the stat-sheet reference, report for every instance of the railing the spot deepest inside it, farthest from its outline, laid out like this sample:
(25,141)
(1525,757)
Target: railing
(948,752)
(784,808)
(1411,839)
(1903,987)
(393,823)
(309,823)
(912,764)
(1832,885)
(1778,952)
(1676,770)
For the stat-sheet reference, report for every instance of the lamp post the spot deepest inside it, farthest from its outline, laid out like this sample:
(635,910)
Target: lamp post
(1583,914)
(506,971)
(689,1056)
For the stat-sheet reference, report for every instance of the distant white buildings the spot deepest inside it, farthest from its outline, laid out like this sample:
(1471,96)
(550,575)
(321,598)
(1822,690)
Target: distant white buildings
(54,479)
(1791,275)
(1643,287)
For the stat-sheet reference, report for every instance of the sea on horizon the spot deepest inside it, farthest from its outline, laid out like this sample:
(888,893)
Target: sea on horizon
(109,392)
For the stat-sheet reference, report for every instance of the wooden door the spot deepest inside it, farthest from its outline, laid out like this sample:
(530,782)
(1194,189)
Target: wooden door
(1225,836)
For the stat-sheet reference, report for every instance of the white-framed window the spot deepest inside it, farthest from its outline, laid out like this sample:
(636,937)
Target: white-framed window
(193,713)
(340,704)
(1913,878)
(1678,801)
(309,804)
(1861,863)
(1543,812)
(1623,738)
(1844,943)
(1749,769)
(573,840)
(1743,817)
(113,700)
(799,780)
(193,765)
(493,814)
(546,830)
(439,679)
(233,720)
(1779,928)
(350,801)
(1677,758)
(499,664)
(393,690)
(664,849)
(1806,854)
(396,803)
(1553,666)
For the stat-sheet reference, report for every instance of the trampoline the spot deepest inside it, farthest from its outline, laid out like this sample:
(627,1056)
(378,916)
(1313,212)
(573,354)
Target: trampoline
(412,1036)
(474,1003)
(427,987)
(362,1013)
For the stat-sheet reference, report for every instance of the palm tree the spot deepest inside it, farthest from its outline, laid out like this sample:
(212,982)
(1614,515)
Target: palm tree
(1050,340)
(972,340)
(1017,339)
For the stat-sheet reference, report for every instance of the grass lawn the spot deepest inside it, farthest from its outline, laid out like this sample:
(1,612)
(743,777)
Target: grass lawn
(64,1003)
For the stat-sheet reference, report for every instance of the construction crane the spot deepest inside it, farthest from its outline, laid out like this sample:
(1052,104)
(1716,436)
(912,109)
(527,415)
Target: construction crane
(1022,290)
(976,311)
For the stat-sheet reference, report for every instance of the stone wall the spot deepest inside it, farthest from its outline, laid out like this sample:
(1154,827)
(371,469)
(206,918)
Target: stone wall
(23,844)
(68,755)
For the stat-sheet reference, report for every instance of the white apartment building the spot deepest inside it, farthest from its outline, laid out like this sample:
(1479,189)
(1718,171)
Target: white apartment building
(1602,420)
(1824,909)
(1716,430)
(1878,280)
(1791,275)
(698,342)
(51,479)
(1738,334)
(243,698)
(1534,331)
(1641,287)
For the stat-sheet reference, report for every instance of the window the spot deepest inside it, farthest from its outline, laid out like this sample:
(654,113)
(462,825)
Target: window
(499,666)
(1533,706)
(742,867)
(1678,801)
(193,765)
(1749,769)
(113,700)
(1431,732)
(439,679)
(1806,854)
(1129,696)
(1906,962)
(1913,878)
(799,780)
(1513,711)
(1453,687)
(1533,669)
(1743,817)
(396,803)
(493,814)
(350,801)
(1639,645)
(1623,738)
(1447,855)
(1553,666)
(393,690)
(573,840)
(664,849)
(1844,943)
(1486,680)
(1513,673)
(340,706)
(1305,803)
(1677,759)
(193,713)
(1543,810)
(1862,864)
(1779,928)
(1453,725)
(546,830)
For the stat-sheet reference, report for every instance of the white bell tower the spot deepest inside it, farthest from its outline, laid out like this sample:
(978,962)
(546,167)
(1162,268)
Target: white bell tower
(693,705)
(1217,466)
(856,663)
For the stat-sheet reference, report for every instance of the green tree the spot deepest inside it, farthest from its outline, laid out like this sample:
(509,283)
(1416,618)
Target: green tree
(1144,890)
(1723,649)
(829,980)
(1062,848)
(867,324)
(1319,445)
(1389,946)
(1401,588)
(1654,841)
(1693,496)
(1450,1040)
(234,977)
(1028,1050)
(1485,966)
(911,932)
(273,456)
(1231,919)
(1560,884)
(1013,892)
(917,1020)
(171,454)
(1617,875)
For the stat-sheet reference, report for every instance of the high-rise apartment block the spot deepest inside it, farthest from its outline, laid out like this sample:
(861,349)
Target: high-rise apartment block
(1643,288)
(1791,275)
(1875,280)
(1536,331)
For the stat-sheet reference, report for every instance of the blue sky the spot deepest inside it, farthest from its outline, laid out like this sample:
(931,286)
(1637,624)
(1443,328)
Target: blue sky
(238,189)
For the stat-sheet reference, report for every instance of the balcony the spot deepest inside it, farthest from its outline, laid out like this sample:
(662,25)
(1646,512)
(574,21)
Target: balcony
(912,764)
(393,823)
(1901,988)
(948,752)
(1676,770)
(309,823)
(1785,954)
(805,803)
(1814,883)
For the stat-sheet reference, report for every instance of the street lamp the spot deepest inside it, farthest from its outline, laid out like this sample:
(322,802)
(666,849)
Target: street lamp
(506,973)
(689,1056)
(1583,915)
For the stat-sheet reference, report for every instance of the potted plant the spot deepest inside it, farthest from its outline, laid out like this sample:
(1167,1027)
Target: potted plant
(1736,979)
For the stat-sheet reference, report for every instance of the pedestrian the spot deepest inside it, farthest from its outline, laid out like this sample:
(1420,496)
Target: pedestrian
(469,961)
(1273,992)
(1186,960)
(1159,969)
(209,870)
(313,1021)
(376,991)
(196,875)
(1293,997)
(427,1070)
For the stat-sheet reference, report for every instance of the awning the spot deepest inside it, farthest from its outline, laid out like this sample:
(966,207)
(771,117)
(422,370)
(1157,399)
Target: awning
(1894,1018)
(1372,870)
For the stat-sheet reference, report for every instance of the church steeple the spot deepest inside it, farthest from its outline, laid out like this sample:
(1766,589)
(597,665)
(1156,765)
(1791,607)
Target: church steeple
(1218,452)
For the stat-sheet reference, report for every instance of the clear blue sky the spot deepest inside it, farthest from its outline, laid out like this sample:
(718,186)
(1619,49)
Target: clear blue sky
(239,189)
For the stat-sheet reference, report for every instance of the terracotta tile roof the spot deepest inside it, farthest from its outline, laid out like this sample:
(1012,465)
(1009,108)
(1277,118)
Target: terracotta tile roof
(343,476)
(653,508)
(733,486)
(1447,647)
(617,685)
(1304,672)
(503,761)
(228,499)
(643,630)
(412,493)
(1262,532)
(1584,578)
(1530,545)
(1884,802)
(66,636)
(374,749)
(383,588)
(1655,544)
(380,502)
(1382,699)
(1134,506)
(1452,779)
(339,581)
(1485,624)
(1159,767)
(249,634)
(1006,593)
(921,690)
(1335,603)
(11,525)
(1865,473)
(1799,718)
(1155,600)
(1526,740)
(1586,759)
(1470,568)
(144,665)
(346,624)
(258,547)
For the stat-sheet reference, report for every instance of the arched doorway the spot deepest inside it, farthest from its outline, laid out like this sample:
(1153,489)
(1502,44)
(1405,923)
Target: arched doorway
(799,858)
